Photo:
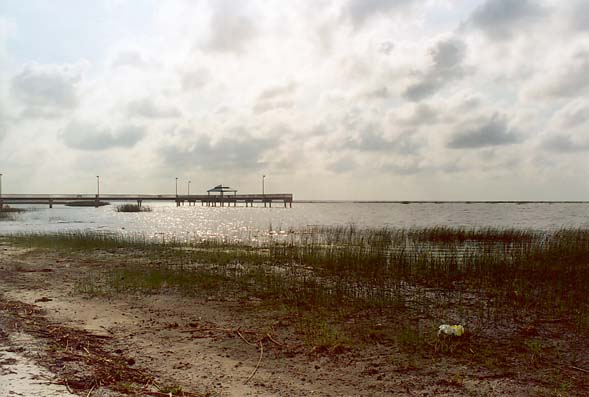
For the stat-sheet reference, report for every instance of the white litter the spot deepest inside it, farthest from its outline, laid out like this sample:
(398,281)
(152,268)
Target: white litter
(451,330)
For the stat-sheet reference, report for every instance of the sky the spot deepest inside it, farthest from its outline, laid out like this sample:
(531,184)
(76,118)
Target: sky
(330,99)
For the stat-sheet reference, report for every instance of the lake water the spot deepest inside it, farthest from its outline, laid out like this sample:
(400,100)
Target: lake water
(196,222)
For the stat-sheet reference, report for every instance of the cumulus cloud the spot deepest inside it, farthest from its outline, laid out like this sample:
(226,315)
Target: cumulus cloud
(485,133)
(46,89)
(3,124)
(561,143)
(571,79)
(447,57)
(149,109)
(572,115)
(86,136)
(344,164)
(422,114)
(279,97)
(194,79)
(501,19)
(230,30)
(131,59)
(360,11)
(381,92)
(580,15)
(241,151)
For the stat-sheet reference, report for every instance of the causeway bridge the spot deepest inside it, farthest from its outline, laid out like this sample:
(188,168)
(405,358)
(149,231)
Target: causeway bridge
(95,200)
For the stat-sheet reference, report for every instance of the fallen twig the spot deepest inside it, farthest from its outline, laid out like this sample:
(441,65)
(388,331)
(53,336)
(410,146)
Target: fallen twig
(67,386)
(243,338)
(258,364)
(273,341)
(107,330)
(580,369)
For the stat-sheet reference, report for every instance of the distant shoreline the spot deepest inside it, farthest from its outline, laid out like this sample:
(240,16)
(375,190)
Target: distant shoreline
(436,202)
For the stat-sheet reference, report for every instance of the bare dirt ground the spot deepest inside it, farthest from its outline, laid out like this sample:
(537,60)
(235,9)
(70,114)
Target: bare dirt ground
(54,341)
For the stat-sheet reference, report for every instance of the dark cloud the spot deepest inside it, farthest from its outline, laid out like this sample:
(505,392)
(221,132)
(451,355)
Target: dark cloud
(229,30)
(573,80)
(493,132)
(130,58)
(580,15)
(372,141)
(403,169)
(193,80)
(360,11)
(500,19)
(377,93)
(447,57)
(342,165)
(148,109)
(86,136)
(266,106)
(422,115)
(564,144)
(240,151)
(386,47)
(46,89)
(3,126)
(574,115)
(279,97)
(423,89)
(278,91)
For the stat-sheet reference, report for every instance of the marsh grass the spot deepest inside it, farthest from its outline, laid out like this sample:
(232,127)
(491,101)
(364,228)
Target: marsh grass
(132,208)
(7,216)
(10,213)
(349,285)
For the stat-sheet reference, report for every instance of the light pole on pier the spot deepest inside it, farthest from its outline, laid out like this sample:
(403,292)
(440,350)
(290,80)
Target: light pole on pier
(176,186)
(1,192)
(263,187)
(189,188)
(97,186)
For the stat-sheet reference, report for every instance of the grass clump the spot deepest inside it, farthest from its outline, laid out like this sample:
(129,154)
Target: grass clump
(9,213)
(80,241)
(132,208)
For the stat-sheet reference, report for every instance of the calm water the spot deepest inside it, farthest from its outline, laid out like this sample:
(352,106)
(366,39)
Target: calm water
(169,221)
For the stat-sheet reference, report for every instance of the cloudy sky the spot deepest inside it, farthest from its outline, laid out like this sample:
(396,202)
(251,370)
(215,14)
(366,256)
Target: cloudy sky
(331,99)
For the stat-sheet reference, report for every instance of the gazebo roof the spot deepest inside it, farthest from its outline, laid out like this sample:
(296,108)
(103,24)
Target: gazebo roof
(221,189)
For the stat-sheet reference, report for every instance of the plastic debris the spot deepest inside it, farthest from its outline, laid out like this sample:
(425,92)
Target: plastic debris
(451,330)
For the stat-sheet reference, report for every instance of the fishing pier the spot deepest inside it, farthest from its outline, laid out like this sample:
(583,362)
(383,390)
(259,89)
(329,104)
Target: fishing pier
(81,200)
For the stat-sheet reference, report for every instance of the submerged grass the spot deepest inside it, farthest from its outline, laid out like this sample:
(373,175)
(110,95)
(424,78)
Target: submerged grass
(132,208)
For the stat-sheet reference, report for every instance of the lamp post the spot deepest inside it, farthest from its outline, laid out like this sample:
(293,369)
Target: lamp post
(263,190)
(176,186)
(189,188)
(1,204)
(97,186)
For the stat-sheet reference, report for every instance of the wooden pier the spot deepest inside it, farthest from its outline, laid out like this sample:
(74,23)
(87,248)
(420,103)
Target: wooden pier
(208,200)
